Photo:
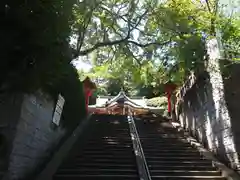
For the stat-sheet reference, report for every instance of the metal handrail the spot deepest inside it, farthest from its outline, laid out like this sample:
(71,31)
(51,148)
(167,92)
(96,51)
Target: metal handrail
(140,157)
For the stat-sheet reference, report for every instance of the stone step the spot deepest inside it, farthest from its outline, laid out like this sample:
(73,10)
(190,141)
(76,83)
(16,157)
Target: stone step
(188,178)
(116,144)
(100,153)
(109,140)
(172,154)
(164,150)
(170,150)
(119,135)
(96,177)
(189,167)
(102,160)
(165,141)
(109,125)
(160,137)
(97,171)
(175,158)
(184,173)
(98,165)
(109,148)
(112,130)
(178,162)
(158,146)
(105,156)
(121,126)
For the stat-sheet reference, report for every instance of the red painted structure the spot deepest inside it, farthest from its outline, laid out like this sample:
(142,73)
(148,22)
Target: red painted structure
(88,88)
(169,88)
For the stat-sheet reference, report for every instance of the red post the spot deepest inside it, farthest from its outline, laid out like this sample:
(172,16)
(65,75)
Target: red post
(169,88)
(88,87)
(169,101)
(88,93)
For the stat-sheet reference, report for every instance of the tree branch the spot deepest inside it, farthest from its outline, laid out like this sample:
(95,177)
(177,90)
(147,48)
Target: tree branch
(82,29)
(125,40)
(149,44)
(134,57)
(129,21)
(81,34)
(213,19)
(102,44)
(208,6)
(131,26)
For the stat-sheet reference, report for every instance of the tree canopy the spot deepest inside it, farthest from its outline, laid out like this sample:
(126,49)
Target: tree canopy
(35,43)
(146,43)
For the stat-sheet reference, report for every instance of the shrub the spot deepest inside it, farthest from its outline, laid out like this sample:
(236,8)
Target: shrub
(157,102)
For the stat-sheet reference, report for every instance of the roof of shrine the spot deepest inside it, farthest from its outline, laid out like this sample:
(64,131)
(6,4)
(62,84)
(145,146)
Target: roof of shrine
(124,98)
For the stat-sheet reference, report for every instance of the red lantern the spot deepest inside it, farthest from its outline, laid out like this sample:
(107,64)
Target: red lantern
(169,88)
(88,87)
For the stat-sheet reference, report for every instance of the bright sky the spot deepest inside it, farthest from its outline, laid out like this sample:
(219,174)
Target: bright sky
(79,64)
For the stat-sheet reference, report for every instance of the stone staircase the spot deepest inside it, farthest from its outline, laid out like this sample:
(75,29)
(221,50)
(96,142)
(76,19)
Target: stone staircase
(107,153)
(170,156)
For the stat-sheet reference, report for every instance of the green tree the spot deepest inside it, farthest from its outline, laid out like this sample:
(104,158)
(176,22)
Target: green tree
(35,43)
(166,40)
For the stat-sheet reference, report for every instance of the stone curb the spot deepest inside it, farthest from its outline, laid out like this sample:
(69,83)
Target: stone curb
(58,157)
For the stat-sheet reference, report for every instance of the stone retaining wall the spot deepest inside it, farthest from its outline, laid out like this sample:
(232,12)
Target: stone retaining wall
(34,136)
(206,111)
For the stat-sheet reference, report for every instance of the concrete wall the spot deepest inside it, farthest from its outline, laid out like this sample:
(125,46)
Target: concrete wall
(205,113)
(35,136)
